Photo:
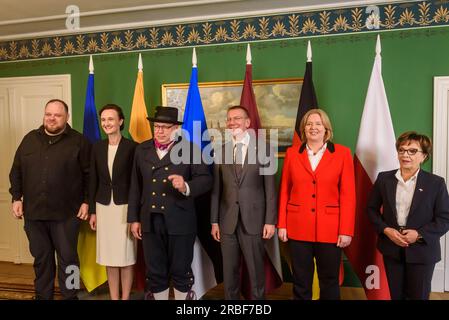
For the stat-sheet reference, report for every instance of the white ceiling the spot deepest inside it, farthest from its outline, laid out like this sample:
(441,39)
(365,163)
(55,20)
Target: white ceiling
(26,19)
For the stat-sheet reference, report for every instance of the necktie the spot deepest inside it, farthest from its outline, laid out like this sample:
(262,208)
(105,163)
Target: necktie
(238,159)
(161,146)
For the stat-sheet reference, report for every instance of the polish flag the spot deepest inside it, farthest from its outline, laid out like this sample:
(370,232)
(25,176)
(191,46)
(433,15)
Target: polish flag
(375,152)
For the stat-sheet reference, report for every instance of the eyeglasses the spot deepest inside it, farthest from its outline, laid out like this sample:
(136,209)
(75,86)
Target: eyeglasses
(410,152)
(159,127)
(235,119)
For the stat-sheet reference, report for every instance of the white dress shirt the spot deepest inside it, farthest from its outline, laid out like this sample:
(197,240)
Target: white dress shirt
(315,158)
(245,142)
(163,153)
(404,196)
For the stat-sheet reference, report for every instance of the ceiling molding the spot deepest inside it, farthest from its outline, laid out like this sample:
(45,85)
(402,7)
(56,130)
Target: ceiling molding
(160,14)
(179,4)
(325,22)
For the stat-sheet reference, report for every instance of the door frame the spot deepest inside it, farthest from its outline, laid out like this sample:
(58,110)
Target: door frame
(440,164)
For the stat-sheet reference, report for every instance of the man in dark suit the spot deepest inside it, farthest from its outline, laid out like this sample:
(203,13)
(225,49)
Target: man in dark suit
(243,206)
(415,215)
(161,208)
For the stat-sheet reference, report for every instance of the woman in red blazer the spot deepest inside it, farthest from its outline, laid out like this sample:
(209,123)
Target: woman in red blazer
(317,206)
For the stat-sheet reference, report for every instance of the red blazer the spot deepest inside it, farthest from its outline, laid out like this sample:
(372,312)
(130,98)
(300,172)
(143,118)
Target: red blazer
(317,206)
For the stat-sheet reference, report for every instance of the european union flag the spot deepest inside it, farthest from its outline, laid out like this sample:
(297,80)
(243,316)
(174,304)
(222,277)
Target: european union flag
(207,263)
(194,118)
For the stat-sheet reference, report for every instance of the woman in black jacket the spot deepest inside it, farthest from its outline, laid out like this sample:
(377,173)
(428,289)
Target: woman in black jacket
(110,173)
(409,209)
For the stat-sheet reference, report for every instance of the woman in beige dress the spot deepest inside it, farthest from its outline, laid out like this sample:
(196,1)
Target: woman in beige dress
(110,173)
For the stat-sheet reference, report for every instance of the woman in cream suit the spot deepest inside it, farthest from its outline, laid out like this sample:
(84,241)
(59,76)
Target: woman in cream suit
(110,175)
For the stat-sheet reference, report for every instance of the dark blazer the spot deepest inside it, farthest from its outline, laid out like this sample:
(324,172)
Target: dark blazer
(254,195)
(100,182)
(429,215)
(179,210)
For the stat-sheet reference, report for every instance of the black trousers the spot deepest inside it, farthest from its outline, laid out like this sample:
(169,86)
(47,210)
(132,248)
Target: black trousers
(46,238)
(328,259)
(408,280)
(167,256)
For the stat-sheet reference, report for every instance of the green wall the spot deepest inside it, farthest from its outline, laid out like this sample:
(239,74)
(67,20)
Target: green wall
(342,67)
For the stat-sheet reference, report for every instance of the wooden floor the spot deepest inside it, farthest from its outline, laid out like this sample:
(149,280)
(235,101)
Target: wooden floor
(16,282)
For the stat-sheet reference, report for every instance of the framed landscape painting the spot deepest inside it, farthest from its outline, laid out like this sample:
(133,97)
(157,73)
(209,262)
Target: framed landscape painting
(277,102)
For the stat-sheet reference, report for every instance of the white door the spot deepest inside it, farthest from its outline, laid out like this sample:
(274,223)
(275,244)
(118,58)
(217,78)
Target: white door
(22,102)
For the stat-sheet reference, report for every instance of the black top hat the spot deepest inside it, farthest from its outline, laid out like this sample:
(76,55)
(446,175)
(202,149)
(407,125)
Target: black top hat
(165,115)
